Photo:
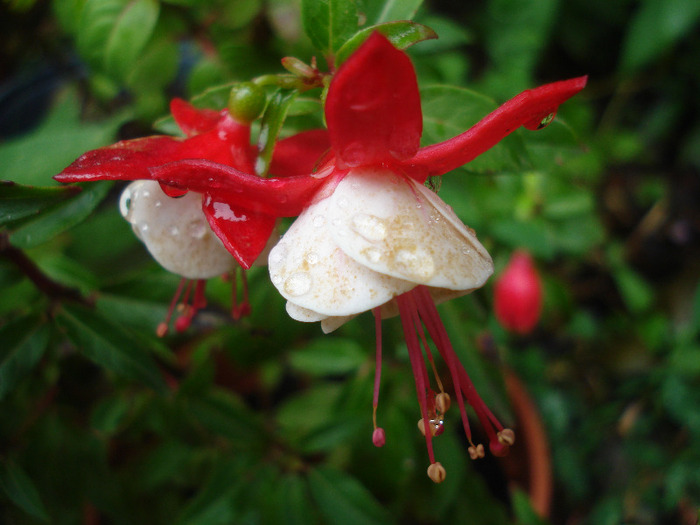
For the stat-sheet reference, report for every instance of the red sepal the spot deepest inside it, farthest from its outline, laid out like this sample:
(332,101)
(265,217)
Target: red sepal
(300,153)
(126,160)
(373,106)
(278,197)
(244,233)
(527,109)
(193,120)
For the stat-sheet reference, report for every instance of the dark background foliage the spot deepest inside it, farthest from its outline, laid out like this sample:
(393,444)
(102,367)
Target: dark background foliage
(267,420)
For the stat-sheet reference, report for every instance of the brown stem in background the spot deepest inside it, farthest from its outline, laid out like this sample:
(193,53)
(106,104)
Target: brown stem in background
(531,428)
(53,290)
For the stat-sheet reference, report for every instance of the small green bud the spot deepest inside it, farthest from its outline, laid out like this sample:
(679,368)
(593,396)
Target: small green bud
(246,102)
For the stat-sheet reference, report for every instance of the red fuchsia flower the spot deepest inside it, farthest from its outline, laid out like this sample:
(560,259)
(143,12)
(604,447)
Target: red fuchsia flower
(371,236)
(195,235)
(518,295)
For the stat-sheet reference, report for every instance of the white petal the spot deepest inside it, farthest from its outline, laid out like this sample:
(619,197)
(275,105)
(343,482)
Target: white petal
(399,228)
(309,269)
(304,315)
(175,231)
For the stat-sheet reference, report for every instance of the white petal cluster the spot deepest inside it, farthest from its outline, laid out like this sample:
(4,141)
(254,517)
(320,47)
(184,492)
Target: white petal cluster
(376,236)
(175,231)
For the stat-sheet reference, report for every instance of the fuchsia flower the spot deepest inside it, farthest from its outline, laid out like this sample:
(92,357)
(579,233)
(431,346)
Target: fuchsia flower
(376,238)
(518,295)
(370,235)
(196,235)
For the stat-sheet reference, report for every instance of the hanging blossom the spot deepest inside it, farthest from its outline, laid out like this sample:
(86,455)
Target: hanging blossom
(371,236)
(195,234)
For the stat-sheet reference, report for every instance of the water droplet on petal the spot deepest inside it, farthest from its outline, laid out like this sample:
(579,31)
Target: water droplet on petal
(297,284)
(343,203)
(312,258)
(125,202)
(370,227)
(353,154)
(416,264)
(318,221)
(174,231)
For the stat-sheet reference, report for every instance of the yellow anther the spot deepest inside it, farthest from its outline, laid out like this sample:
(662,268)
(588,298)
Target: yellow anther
(436,472)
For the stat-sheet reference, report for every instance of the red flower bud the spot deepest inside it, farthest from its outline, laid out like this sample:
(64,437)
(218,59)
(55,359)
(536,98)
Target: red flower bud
(518,295)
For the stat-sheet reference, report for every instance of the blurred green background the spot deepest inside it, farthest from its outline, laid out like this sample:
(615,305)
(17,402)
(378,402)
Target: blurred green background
(268,421)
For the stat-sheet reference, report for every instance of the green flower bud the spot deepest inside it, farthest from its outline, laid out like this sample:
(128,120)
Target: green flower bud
(246,102)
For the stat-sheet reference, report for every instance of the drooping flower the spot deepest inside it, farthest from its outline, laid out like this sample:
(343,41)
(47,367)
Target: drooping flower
(376,238)
(518,294)
(371,236)
(195,235)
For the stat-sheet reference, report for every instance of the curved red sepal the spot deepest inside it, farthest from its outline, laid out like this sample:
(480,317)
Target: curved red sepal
(278,197)
(527,109)
(126,160)
(373,106)
(243,232)
(191,119)
(300,153)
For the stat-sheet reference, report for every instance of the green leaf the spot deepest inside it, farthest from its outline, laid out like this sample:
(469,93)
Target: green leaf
(21,490)
(22,343)
(655,28)
(33,159)
(378,11)
(212,505)
(636,292)
(328,356)
(342,500)
(97,20)
(128,35)
(61,217)
(272,121)
(18,201)
(223,413)
(329,23)
(294,502)
(524,513)
(110,346)
(401,34)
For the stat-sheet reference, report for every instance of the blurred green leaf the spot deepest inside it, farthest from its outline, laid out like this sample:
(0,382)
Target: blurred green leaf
(329,23)
(378,11)
(36,157)
(213,505)
(524,513)
(656,27)
(270,127)
(18,201)
(401,34)
(224,414)
(294,502)
(128,35)
(328,356)
(21,490)
(635,291)
(22,343)
(61,217)
(110,346)
(342,500)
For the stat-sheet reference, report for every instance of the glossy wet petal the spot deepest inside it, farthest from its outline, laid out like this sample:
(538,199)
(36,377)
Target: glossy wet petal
(373,107)
(279,197)
(400,228)
(175,231)
(244,233)
(309,269)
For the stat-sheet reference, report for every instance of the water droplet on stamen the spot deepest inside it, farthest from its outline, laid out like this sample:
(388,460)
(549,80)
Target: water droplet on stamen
(370,227)
(297,284)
